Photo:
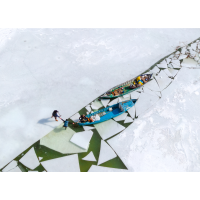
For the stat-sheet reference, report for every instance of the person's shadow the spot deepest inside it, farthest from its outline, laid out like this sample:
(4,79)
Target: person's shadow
(45,121)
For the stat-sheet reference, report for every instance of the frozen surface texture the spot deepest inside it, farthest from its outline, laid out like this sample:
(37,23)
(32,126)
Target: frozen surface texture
(16,169)
(95,168)
(63,164)
(131,111)
(89,157)
(115,101)
(152,85)
(191,63)
(135,95)
(88,108)
(96,104)
(10,166)
(166,138)
(30,159)
(59,140)
(67,69)
(173,72)
(82,139)
(121,117)
(108,128)
(145,102)
(162,65)
(163,81)
(87,128)
(128,120)
(106,153)
(75,117)
(105,102)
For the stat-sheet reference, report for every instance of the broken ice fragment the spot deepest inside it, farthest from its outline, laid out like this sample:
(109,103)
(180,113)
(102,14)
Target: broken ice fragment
(16,169)
(60,141)
(95,168)
(194,46)
(89,157)
(168,60)
(64,164)
(105,102)
(173,72)
(183,50)
(108,128)
(75,117)
(131,112)
(135,95)
(128,120)
(40,158)
(162,64)
(155,70)
(189,62)
(115,101)
(96,105)
(30,159)
(167,72)
(10,166)
(163,82)
(106,153)
(82,139)
(87,128)
(182,57)
(144,103)
(150,92)
(121,117)
(88,108)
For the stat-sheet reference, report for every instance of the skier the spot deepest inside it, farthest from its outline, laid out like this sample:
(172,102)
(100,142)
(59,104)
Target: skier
(56,114)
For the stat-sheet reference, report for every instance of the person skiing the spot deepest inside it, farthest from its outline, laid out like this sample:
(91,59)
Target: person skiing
(66,122)
(56,114)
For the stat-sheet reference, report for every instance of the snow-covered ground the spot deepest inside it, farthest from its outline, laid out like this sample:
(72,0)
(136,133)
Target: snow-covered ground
(167,136)
(65,69)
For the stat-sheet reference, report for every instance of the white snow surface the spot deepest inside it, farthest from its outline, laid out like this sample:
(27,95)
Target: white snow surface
(89,157)
(120,117)
(95,168)
(108,128)
(166,138)
(75,117)
(106,153)
(131,111)
(128,120)
(152,85)
(60,141)
(64,164)
(30,159)
(65,69)
(10,166)
(16,169)
(82,139)
(105,102)
(87,128)
(144,102)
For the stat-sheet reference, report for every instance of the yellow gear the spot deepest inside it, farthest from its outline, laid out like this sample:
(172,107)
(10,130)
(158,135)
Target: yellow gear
(134,82)
(140,82)
(138,78)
